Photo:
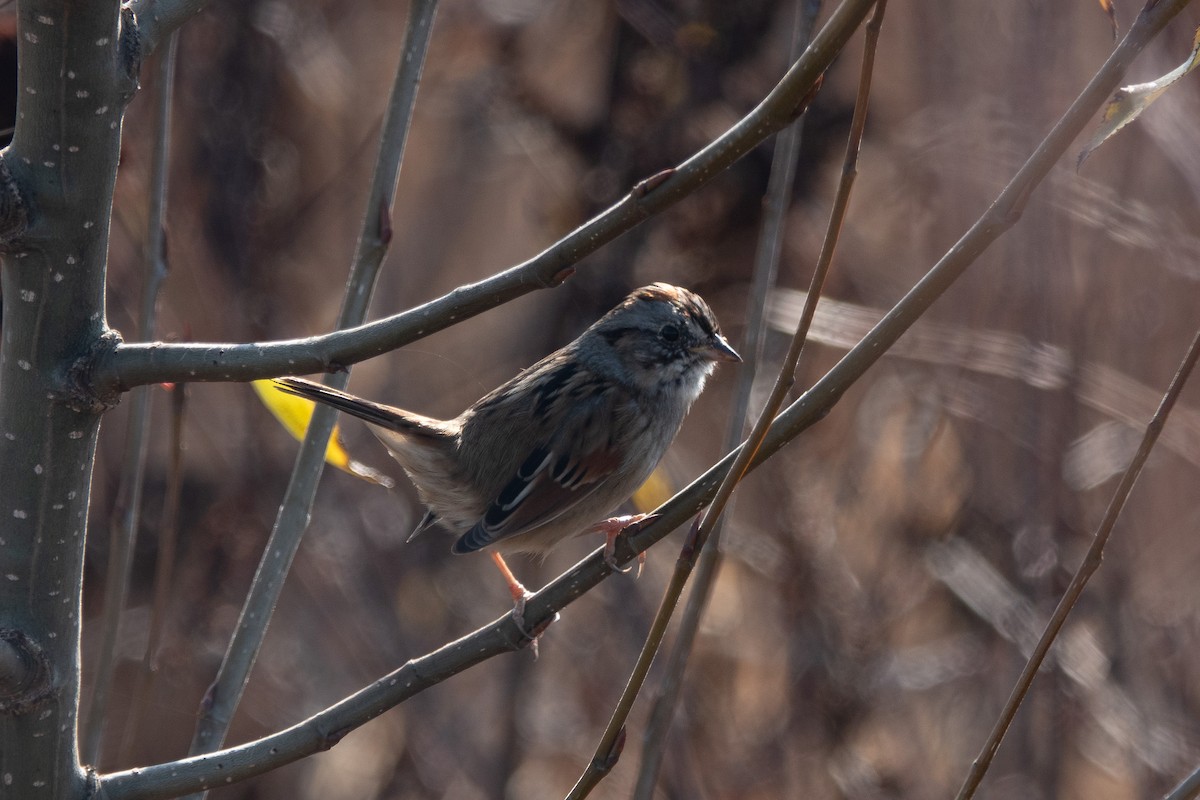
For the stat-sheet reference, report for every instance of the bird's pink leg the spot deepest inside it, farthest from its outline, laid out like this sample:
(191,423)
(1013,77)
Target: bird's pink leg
(515,588)
(519,595)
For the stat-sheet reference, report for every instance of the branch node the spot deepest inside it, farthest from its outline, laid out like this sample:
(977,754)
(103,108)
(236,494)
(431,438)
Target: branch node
(25,681)
(645,187)
(614,753)
(209,700)
(332,738)
(80,392)
(560,277)
(687,553)
(385,222)
(807,99)
(129,53)
(14,207)
(92,786)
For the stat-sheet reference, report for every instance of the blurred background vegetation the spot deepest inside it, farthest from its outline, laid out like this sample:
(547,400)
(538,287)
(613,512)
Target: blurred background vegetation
(886,573)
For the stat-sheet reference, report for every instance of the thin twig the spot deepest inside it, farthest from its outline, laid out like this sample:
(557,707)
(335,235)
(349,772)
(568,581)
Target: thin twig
(223,696)
(776,205)
(127,509)
(168,536)
(168,529)
(134,364)
(695,542)
(1089,565)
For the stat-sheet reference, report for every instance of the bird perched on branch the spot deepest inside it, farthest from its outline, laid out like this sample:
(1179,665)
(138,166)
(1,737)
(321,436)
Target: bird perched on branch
(549,454)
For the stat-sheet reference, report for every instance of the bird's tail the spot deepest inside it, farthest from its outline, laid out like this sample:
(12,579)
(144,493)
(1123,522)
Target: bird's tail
(387,417)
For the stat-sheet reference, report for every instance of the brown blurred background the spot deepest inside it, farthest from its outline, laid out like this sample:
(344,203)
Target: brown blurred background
(885,574)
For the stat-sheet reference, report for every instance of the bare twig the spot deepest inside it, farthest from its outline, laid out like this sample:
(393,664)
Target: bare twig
(129,365)
(127,510)
(168,534)
(776,204)
(766,261)
(1089,565)
(600,764)
(222,698)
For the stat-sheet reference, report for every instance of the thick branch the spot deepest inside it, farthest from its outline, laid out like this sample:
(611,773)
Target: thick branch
(131,365)
(73,86)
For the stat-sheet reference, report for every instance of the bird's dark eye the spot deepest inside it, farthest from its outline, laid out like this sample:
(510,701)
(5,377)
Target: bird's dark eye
(669,333)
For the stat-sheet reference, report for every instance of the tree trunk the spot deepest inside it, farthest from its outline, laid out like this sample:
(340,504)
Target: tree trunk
(74,78)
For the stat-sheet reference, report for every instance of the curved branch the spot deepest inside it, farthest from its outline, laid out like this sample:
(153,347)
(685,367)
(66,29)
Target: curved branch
(130,365)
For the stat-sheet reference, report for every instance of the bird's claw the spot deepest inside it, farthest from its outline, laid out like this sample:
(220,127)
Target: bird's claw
(614,527)
(534,633)
(518,613)
(610,558)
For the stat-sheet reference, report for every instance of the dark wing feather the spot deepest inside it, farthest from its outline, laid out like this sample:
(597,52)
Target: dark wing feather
(556,475)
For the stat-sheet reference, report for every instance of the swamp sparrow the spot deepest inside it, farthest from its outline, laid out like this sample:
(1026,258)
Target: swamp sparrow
(547,454)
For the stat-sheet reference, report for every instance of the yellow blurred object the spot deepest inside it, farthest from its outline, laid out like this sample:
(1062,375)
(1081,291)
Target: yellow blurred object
(295,412)
(653,493)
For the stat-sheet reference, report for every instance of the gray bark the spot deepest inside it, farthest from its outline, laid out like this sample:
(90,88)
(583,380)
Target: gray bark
(75,76)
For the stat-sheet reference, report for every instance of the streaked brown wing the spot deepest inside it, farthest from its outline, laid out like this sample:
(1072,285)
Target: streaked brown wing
(556,475)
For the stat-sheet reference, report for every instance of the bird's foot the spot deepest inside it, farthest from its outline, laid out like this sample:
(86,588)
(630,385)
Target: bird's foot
(614,527)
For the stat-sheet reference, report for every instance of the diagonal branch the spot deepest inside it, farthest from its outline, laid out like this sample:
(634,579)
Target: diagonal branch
(221,701)
(698,536)
(1087,567)
(776,204)
(128,365)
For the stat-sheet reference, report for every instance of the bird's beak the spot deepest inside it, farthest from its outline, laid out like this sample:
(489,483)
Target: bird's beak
(718,349)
